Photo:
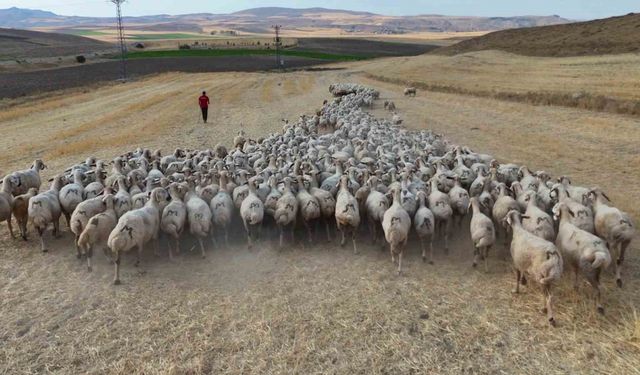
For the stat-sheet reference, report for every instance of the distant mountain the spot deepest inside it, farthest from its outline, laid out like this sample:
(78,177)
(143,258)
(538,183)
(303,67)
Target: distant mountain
(259,20)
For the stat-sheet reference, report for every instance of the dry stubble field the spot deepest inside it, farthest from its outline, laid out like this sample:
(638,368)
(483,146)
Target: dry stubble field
(308,309)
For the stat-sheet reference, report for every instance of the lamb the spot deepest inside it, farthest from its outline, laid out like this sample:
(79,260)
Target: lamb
(44,208)
(309,207)
(29,178)
(174,215)
(251,211)
(396,224)
(9,183)
(584,252)
(483,234)
(72,195)
(536,258)
(424,224)
(410,91)
(537,221)
(198,215)
(97,231)
(21,210)
(614,226)
(347,213)
(136,228)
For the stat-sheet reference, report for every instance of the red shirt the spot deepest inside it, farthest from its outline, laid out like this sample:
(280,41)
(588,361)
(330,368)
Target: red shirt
(204,101)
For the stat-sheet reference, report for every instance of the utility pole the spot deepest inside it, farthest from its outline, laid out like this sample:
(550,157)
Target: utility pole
(279,63)
(121,38)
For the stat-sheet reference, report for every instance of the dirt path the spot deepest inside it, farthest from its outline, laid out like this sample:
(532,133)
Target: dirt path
(307,309)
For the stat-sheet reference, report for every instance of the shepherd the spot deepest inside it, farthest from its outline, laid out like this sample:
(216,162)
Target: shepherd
(204,105)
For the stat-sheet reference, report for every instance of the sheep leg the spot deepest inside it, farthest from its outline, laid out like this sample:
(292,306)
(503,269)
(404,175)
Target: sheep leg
(56,228)
(518,277)
(138,255)
(431,249)
(171,250)
(326,222)
(23,229)
(424,250)
(594,280)
(446,236)
(248,230)
(226,236)
(400,263)
(622,249)
(372,229)
(10,227)
(476,256)
(353,239)
(281,237)
(201,246)
(41,234)
(343,238)
(309,232)
(116,280)
(89,255)
(548,309)
(486,259)
(575,279)
(67,216)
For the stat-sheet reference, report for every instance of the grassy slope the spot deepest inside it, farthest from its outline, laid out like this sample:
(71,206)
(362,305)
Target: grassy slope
(598,37)
(243,52)
(164,36)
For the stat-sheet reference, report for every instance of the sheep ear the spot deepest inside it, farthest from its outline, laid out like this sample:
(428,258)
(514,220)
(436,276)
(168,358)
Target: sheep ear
(605,195)
(525,217)
(571,212)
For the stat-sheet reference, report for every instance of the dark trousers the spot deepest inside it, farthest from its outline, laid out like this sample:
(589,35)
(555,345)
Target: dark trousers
(205,114)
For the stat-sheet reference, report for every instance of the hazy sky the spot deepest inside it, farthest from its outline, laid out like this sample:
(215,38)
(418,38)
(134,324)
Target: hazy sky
(575,9)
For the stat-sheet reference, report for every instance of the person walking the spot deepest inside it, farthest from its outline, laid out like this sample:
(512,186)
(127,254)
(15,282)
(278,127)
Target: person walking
(204,105)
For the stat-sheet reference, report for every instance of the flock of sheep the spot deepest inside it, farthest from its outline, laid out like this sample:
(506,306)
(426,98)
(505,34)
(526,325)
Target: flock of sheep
(366,170)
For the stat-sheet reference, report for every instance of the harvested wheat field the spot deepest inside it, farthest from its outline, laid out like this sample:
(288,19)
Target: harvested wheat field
(309,308)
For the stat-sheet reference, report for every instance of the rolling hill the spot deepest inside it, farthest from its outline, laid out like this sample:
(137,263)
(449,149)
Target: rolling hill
(16,44)
(604,36)
(260,20)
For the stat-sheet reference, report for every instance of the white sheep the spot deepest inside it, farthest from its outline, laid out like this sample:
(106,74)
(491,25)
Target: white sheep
(71,195)
(44,209)
(396,224)
(376,205)
(535,220)
(123,201)
(483,233)
(222,208)
(309,207)
(199,216)
(503,204)
(347,213)
(81,215)
(174,215)
(410,91)
(440,205)
(536,258)
(614,226)
(97,231)
(9,183)
(424,224)
(251,211)
(582,251)
(135,228)
(29,178)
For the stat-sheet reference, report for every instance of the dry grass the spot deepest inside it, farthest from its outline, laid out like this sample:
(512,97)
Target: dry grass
(309,309)
(581,82)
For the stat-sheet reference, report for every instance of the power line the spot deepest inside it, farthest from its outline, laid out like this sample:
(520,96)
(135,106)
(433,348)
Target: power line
(279,62)
(121,38)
